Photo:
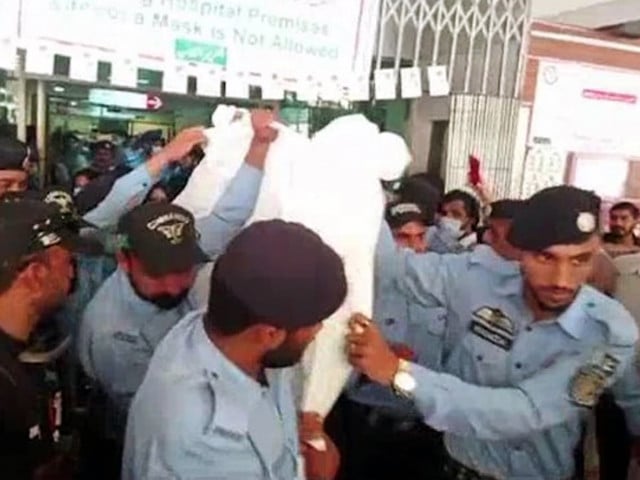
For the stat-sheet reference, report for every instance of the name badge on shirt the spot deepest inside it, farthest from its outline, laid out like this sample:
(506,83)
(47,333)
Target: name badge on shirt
(492,325)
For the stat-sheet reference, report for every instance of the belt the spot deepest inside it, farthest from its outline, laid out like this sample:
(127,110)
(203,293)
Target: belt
(380,418)
(454,470)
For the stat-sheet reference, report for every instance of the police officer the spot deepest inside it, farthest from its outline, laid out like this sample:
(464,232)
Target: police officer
(408,223)
(498,226)
(14,157)
(217,400)
(531,352)
(36,275)
(386,437)
(156,284)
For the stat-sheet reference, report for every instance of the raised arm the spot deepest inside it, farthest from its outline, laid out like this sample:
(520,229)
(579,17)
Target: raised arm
(130,190)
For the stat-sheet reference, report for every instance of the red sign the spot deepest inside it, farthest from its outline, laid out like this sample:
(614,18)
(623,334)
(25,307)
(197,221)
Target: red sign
(609,96)
(154,102)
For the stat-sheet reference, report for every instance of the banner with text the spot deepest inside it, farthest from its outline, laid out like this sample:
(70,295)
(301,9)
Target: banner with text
(580,108)
(294,38)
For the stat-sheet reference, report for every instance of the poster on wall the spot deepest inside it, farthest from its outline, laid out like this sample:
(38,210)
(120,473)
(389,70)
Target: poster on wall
(582,108)
(296,38)
(9,18)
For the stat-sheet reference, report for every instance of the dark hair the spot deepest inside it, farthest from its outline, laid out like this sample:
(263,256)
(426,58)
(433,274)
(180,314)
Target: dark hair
(471,205)
(630,207)
(226,314)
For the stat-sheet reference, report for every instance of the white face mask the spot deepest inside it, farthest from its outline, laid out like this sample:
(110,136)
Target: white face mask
(155,149)
(451,225)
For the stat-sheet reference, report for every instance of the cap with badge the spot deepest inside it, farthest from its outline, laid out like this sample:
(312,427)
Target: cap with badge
(14,154)
(63,201)
(562,215)
(417,190)
(400,213)
(30,226)
(163,237)
(282,273)
(103,145)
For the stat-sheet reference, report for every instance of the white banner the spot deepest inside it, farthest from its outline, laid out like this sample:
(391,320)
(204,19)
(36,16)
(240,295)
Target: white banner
(9,18)
(587,109)
(9,11)
(290,37)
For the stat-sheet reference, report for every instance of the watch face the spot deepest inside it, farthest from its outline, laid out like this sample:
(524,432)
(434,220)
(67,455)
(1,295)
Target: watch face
(405,382)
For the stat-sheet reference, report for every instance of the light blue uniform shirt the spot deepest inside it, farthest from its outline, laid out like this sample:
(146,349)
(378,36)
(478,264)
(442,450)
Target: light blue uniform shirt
(119,331)
(517,391)
(198,416)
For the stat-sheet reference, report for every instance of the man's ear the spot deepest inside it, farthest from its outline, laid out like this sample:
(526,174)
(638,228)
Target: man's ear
(269,336)
(34,276)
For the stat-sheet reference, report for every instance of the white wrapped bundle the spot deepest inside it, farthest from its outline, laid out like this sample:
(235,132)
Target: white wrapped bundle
(228,144)
(331,184)
(338,194)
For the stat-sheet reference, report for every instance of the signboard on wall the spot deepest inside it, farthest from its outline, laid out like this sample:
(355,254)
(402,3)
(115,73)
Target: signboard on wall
(295,38)
(580,108)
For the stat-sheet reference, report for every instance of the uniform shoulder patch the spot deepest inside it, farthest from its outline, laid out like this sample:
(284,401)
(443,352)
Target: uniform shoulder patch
(586,387)
(590,381)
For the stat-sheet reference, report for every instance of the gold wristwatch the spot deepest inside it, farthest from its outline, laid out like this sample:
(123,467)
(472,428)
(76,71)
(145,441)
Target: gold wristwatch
(404,383)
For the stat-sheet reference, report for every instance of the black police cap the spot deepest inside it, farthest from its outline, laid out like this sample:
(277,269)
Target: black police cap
(562,215)
(506,209)
(283,274)
(29,226)
(163,237)
(13,154)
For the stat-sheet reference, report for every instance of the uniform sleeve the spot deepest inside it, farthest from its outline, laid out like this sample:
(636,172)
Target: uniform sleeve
(564,391)
(627,394)
(231,212)
(428,279)
(127,192)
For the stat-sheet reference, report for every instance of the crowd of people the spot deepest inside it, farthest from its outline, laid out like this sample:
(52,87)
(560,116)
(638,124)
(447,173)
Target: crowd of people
(140,342)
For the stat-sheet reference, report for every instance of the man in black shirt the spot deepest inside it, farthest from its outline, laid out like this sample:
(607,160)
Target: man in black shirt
(36,275)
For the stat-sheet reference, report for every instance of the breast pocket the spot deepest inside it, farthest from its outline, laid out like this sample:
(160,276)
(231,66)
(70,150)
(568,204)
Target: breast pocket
(481,360)
(425,335)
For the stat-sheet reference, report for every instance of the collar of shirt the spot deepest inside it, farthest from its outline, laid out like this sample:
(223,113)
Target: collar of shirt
(13,346)
(236,393)
(573,319)
(486,256)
